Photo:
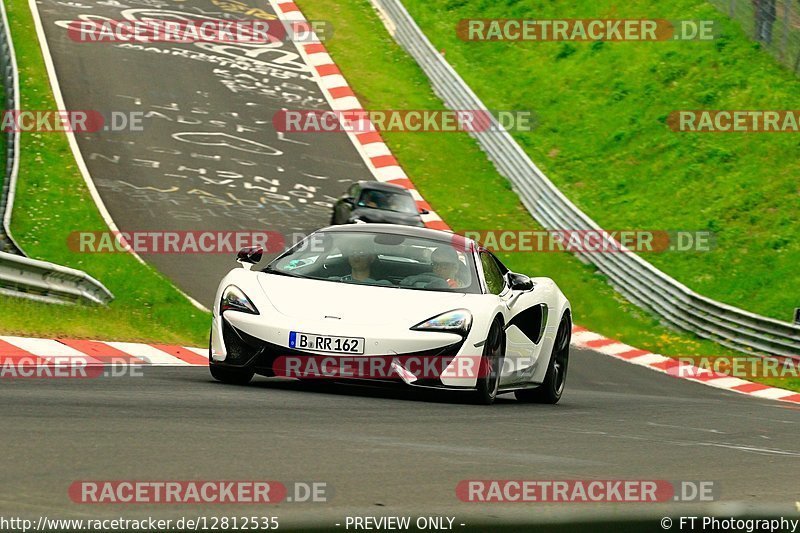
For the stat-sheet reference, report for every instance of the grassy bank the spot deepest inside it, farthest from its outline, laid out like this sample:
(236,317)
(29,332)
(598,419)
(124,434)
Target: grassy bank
(456,178)
(602,138)
(52,201)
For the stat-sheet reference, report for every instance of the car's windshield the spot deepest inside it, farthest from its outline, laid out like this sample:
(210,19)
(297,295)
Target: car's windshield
(391,201)
(380,259)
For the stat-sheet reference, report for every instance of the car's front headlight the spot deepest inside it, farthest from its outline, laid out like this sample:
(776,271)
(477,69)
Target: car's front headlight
(456,321)
(234,299)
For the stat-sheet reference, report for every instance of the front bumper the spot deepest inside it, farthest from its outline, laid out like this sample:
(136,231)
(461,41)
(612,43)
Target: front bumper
(435,367)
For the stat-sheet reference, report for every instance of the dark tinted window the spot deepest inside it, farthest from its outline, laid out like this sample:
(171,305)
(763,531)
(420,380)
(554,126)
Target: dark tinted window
(495,281)
(381,259)
(401,202)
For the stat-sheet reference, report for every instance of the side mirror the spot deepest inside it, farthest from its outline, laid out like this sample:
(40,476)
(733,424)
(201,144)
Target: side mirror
(519,282)
(250,256)
(423,211)
(349,201)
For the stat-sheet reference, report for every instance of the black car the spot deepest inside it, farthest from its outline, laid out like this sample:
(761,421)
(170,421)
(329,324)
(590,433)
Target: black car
(372,201)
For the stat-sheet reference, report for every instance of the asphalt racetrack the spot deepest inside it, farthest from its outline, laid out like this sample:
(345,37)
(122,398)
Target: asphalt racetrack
(390,452)
(209,158)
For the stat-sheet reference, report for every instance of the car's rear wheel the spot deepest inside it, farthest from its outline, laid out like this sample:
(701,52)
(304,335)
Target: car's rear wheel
(552,388)
(491,365)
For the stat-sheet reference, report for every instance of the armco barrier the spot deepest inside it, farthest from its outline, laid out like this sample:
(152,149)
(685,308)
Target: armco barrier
(8,72)
(19,275)
(639,281)
(47,282)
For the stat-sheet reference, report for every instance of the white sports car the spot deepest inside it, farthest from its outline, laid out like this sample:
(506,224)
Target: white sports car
(393,303)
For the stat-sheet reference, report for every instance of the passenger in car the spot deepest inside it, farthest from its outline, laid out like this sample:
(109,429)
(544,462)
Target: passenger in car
(360,265)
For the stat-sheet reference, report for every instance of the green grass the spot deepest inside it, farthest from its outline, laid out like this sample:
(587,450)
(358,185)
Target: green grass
(52,201)
(456,178)
(602,137)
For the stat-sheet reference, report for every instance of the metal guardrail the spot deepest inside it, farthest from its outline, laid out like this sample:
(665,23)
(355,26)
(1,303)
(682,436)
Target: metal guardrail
(8,72)
(639,281)
(48,282)
(19,275)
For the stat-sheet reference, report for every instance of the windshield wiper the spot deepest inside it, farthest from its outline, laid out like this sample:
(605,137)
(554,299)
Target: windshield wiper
(281,273)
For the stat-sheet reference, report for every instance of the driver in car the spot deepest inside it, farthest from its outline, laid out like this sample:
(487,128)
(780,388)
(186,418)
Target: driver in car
(371,199)
(445,262)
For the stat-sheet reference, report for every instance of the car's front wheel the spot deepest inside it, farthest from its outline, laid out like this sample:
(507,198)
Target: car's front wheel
(491,364)
(230,375)
(552,388)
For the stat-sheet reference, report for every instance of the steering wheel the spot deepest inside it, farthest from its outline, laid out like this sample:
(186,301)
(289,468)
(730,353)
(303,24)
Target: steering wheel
(423,281)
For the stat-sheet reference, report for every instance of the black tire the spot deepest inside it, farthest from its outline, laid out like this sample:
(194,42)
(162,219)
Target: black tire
(490,366)
(552,388)
(229,375)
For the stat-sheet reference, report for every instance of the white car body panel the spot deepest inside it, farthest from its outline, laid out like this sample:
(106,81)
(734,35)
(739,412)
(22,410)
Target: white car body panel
(384,316)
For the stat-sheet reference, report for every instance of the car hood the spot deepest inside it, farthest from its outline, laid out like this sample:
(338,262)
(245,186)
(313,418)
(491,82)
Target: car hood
(355,304)
(379,216)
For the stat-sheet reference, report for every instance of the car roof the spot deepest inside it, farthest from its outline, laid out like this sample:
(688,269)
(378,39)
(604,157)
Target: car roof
(379,186)
(396,229)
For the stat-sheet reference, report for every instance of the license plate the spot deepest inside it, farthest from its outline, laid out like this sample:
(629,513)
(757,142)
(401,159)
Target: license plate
(325,343)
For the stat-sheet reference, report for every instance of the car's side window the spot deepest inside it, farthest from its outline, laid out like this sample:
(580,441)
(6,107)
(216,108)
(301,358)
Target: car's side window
(503,269)
(495,281)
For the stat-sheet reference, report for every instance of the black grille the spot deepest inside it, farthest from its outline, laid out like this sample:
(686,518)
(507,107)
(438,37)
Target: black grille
(244,349)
